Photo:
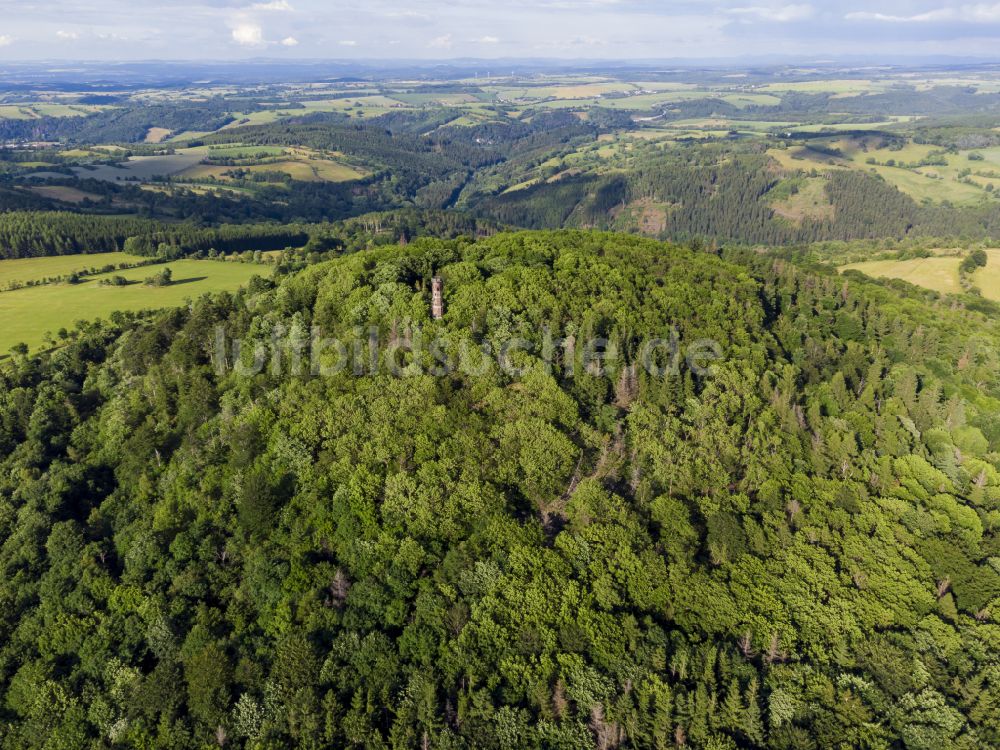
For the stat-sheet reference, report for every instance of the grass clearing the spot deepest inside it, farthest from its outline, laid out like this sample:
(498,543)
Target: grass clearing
(157,135)
(805,199)
(32,312)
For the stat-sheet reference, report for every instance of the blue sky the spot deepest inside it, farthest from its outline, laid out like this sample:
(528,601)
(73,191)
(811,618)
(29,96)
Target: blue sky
(433,29)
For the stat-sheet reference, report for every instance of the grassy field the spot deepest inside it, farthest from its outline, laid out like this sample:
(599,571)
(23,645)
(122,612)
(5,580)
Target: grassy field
(302,169)
(35,111)
(939,274)
(988,279)
(16,112)
(23,270)
(32,312)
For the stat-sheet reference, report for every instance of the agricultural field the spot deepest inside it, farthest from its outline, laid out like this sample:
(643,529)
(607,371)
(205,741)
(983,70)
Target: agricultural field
(848,87)
(26,270)
(300,164)
(142,168)
(186,163)
(937,273)
(63,193)
(35,111)
(302,170)
(33,312)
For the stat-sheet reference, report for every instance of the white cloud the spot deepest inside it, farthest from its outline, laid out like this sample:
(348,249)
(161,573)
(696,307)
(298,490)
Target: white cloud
(975,13)
(588,41)
(276,5)
(290,41)
(407,14)
(67,35)
(347,43)
(781,13)
(487,40)
(441,42)
(5,40)
(248,35)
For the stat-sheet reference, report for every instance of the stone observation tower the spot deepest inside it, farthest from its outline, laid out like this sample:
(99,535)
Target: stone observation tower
(437,298)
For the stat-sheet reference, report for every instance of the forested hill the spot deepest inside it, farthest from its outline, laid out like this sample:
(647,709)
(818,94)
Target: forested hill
(793,548)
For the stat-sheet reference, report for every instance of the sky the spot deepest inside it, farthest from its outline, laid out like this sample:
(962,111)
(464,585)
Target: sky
(446,29)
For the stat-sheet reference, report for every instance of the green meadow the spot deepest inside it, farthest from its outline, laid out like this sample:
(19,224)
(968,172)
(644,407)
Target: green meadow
(32,312)
(25,270)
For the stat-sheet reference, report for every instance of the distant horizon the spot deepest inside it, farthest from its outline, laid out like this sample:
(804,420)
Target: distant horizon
(432,30)
(857,61)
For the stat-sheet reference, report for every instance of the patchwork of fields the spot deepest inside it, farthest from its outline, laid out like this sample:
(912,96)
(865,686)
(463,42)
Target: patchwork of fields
(200,163)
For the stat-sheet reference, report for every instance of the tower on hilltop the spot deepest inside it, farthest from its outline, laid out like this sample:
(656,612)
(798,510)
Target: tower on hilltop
(437,298)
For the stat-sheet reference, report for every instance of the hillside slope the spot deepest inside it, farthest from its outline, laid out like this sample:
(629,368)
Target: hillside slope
(793,546)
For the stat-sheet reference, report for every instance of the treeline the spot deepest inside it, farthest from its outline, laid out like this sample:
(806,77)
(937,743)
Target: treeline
(36,234)
(29,234)
(177,242)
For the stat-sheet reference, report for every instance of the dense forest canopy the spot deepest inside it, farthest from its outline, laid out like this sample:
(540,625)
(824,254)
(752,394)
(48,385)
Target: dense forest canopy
(795,547)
